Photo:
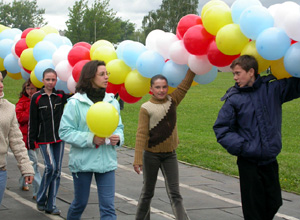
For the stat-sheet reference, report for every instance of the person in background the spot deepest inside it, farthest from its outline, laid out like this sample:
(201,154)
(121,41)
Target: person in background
(46,109)
(22,111)
(249,127)
(91,155)
(11,137)
(156,143)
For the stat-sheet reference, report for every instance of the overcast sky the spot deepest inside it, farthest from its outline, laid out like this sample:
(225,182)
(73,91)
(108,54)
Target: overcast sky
(134,10)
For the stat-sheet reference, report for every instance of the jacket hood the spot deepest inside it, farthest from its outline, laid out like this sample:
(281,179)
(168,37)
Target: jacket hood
(84,98)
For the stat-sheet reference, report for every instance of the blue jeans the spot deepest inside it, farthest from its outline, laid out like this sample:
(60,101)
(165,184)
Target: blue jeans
(106,194)
(53,155)
(37,176)
(3,178)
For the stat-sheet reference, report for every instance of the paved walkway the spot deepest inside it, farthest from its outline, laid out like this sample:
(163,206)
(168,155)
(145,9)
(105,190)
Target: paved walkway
(207,195)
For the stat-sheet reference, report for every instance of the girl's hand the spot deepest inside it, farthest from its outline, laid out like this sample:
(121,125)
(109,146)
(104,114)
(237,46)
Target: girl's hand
(114,139)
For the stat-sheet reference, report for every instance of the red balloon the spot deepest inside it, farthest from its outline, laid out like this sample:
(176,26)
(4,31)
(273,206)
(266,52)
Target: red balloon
(293,41)
(126,97)
(28,71)
(83,44)
(78,53)
(76,71)
(217,58)
(185,23)
(26,31)
(20,46)
(196,40)
(113,88)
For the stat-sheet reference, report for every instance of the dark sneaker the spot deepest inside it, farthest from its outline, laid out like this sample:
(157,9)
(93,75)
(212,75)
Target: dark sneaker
(55,211)
(40,207)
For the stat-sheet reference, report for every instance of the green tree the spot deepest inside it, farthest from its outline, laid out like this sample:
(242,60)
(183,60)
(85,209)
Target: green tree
(168,15)
(90,24)
(21,14)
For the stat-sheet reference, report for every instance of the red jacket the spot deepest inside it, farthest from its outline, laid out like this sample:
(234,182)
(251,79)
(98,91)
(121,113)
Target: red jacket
(22,111)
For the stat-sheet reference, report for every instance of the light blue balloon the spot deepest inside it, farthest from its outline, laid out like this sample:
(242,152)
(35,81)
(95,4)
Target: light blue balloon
(54,38)
(66,41)
(239,6)
(11,64)
(131,52)
(5,47)
(120,48)
(10,33)
(254,20)
(292,60)
(150,63)
(43,50)
(24,74)
(272,43)
(207,77)
(40,68)
(174,73)
(62,85)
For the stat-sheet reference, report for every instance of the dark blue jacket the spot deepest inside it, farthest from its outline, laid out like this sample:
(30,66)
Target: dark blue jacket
(249,123)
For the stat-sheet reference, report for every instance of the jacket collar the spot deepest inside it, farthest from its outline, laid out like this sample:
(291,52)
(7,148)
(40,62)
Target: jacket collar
(84,98)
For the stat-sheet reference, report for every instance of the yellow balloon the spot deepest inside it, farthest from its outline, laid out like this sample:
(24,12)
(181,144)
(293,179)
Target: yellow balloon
(250,49)
(2,68)
(171,89)
(2,28)
(105,54)
(102,119)
(27,59)
(194,83)
(49,29)
(211,4)
(137,85)
(35,81)
(278,69)
(100,43)
(34,36)
(16,76)
(215,18)
(230,39)
(118,71)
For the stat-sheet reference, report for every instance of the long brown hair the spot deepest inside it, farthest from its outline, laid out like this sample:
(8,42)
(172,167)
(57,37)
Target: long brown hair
(88,73)
(23,92)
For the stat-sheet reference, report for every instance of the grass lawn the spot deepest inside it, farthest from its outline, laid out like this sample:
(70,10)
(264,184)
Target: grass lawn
(196,116)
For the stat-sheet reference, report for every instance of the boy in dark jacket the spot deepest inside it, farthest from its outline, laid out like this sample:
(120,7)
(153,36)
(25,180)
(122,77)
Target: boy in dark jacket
(249,127)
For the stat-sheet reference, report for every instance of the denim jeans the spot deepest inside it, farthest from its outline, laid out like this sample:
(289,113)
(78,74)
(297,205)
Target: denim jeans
(53,155)
(106,194)
(168,164)
(3,178)
(33,156)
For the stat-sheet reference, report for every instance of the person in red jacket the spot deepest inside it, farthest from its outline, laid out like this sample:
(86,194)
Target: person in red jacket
(22,112)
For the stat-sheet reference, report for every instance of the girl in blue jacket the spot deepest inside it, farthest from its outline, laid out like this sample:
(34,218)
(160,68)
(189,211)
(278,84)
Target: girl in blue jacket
(249,127)
(91,155)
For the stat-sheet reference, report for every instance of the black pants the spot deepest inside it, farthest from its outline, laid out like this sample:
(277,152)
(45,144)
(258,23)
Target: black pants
(260,189)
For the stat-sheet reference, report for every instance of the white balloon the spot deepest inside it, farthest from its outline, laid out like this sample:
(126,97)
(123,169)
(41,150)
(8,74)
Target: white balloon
(64,70)
(282,11)
(178,53)
(200,65)
(225,68)
(152,38)
(71,84)
(164,43)
(290,22)
(61,54)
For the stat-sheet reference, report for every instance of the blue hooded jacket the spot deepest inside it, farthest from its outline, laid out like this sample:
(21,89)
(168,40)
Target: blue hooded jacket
(84,156)
(249,122)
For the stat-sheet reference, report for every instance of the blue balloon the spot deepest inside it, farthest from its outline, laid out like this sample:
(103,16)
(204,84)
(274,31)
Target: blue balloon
(10,33)
(254,20)
(62,85)
(207,77)
(174,73)
(54,38)
(43,50)
(66,41)
(40,68)
(120,48)
(131,52)
(272,43)
(24,74)
(5,47)
(292,60)
(239,6)
(150,63)
(11,64)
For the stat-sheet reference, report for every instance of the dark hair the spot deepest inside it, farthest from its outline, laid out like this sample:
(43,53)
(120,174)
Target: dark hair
(156,77)
(246,62)
(49,70)
(26,83)
(87,75)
